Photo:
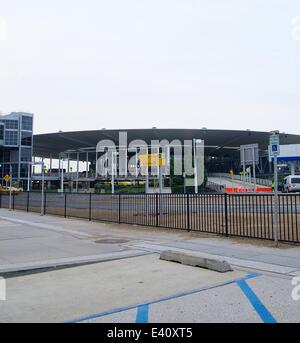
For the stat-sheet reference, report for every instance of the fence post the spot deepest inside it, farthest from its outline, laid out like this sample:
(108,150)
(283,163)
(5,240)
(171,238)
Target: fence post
(188,211)
(13,200)
(65,214)
(226,215)
(27,205)
(156,208)
(119,208)
(45,204)
(90,207)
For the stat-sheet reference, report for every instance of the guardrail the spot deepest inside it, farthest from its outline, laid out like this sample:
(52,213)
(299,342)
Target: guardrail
(259,181)
(243,215)
(216,187)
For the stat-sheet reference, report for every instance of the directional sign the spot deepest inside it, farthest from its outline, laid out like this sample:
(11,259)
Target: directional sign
(152,160)
(249,153)
(6,178)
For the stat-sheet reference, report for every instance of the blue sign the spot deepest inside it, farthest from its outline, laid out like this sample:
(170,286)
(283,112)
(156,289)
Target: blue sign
(274,148)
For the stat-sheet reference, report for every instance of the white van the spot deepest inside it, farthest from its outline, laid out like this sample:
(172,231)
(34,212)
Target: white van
(291,183)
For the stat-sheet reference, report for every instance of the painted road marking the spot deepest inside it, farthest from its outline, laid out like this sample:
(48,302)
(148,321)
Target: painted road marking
(259,307)
(174,296)
(142,314)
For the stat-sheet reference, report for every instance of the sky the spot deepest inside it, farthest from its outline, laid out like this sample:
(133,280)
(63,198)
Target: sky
(86,65)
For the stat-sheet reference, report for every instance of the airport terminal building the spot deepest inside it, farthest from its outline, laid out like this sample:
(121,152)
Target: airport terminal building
(221,151)
(19,151)
(16,147)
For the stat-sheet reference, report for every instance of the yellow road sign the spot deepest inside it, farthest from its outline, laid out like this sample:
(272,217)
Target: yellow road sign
(152,160)
(6,178)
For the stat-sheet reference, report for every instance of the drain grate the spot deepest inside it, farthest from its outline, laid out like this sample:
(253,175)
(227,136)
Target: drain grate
(112,241)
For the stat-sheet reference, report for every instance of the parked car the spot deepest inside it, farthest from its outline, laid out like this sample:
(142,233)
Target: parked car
(291,183)
(14,190)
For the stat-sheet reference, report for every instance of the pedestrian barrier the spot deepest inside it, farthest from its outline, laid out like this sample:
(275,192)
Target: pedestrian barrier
(242,190)
(235,214)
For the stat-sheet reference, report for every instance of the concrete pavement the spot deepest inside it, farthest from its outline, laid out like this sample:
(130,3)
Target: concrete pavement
(66,294)
(131,284)
(147,289)
(41,242)
(27,238)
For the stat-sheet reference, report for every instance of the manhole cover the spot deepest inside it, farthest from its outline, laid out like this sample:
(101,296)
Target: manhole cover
(112,241)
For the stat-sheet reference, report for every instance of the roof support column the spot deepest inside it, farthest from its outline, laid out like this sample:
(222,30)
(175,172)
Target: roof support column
(59,167)
(50,169)
(87,165)
(28,176)
(33,162)
(77,172)
(96,164)
(292,166)
(62,176)
(68,170)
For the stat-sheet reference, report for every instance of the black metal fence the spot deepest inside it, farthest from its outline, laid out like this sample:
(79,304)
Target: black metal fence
(244,215)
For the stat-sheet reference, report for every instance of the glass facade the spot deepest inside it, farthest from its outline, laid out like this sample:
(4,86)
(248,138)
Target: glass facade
(26,138)
(1,132)
(11,137)
(27,123)
(11,124)
(26,154)
(16,147)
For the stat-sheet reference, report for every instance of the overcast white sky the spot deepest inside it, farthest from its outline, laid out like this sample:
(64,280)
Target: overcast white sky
(91,64)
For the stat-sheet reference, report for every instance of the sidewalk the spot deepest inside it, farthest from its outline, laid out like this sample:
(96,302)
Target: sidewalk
(29,241)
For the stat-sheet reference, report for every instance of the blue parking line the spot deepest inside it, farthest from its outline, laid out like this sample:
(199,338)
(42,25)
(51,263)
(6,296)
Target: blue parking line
(142,314)
(171,297)
(259,307)
(250,275)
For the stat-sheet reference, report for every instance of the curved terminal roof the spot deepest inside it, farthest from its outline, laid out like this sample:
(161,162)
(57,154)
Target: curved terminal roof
(217,142)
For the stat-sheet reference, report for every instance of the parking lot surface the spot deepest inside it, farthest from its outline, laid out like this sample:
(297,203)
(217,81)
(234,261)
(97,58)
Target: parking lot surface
(112,273)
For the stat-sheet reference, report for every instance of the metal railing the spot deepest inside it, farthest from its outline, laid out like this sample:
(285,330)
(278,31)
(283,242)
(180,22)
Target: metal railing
(259,181)
(243,215)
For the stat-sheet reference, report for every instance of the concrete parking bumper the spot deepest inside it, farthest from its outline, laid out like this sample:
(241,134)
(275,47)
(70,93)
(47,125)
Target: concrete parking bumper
(196,261)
